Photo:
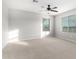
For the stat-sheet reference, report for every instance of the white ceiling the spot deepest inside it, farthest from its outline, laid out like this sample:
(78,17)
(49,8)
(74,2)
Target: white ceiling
(29,5)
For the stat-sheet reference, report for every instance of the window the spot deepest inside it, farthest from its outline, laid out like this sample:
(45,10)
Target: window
(46,24)
(69,23)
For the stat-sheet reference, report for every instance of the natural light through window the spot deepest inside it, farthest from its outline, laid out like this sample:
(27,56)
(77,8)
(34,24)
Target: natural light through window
(45,27)
(21,43)
(13,35)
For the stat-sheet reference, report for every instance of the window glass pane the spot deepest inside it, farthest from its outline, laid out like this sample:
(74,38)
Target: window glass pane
(46,24)
(69,23)
(65,22)
(72,23)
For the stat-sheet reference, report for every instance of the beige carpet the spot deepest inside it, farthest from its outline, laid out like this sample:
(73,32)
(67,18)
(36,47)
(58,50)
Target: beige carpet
(48,48)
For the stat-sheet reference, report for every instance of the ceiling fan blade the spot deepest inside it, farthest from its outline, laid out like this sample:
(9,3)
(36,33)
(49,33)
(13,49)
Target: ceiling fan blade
(54,7)
(54,10)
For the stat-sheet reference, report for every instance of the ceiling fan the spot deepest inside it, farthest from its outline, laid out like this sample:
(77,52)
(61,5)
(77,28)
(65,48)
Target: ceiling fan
(48,8)
(52,9)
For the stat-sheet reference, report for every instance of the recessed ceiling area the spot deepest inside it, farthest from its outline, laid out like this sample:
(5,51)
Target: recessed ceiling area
(29,5)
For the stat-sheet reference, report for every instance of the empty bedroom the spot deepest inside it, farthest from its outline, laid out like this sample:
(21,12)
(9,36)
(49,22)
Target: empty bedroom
(38,29)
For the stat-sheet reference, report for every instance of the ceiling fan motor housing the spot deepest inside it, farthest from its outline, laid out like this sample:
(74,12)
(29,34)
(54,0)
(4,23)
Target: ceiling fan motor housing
(48,8)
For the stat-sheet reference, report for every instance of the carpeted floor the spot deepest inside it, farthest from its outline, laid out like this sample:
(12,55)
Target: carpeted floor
(47,48)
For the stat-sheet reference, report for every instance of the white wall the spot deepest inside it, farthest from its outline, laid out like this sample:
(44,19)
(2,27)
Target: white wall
(4,23)
(58,27)
(28,23)
(52,26)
